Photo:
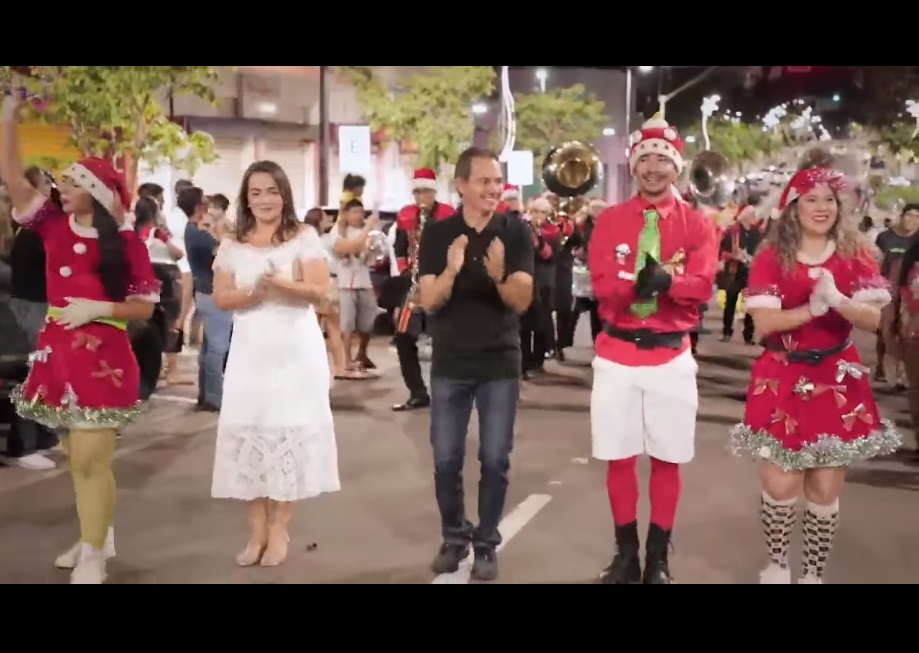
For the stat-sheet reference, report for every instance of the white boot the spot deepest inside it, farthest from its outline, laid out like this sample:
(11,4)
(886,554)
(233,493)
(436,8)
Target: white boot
(90,568)
(775,575)
(69,559)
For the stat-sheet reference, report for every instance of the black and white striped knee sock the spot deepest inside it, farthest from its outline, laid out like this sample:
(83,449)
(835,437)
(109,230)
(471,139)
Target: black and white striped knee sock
(820,524)
(778,523)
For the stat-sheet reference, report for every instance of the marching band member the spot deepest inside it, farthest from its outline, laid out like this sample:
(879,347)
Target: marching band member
(510,203)
(810,412)
(409,223)
(536,323)
(83,375)
(652,261)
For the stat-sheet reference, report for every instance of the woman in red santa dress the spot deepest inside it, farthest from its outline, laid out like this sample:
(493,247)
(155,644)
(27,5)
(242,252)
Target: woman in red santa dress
(810,413)
(83,376)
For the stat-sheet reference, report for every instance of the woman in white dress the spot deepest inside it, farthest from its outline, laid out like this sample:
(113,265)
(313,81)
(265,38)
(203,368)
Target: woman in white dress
(275,437)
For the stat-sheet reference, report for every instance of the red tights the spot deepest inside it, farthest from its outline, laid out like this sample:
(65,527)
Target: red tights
(665,487)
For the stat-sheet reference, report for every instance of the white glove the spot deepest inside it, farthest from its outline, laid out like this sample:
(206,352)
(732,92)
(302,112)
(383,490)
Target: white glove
(829,293)
(80,312)
(818,307)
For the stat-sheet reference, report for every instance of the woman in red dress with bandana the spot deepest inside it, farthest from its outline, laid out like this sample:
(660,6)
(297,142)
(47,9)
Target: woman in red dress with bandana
(810,411)
(84,376)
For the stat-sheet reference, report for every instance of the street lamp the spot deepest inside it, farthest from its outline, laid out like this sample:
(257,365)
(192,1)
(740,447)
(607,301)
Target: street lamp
(645,69)
(479,108)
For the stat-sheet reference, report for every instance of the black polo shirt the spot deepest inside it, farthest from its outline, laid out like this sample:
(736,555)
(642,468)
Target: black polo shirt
(475,335)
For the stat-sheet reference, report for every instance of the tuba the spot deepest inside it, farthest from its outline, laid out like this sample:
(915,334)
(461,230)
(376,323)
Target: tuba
(571,170)
(711,180)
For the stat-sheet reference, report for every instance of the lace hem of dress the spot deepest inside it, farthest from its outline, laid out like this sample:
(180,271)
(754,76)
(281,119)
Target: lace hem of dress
(277,463)
(70,415)
(827,451)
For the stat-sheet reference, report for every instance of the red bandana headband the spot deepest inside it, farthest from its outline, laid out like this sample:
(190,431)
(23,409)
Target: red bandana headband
(807,180)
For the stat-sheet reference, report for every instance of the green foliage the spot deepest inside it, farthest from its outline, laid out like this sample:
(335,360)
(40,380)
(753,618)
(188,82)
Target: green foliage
(741,143)
(118,110)
(897,139)
(432,110)
(545,120)
(889,196)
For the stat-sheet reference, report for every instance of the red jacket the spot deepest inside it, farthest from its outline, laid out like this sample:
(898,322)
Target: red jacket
(407,227)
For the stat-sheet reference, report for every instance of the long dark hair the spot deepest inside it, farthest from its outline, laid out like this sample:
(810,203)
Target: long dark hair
(113,262)
(245,219)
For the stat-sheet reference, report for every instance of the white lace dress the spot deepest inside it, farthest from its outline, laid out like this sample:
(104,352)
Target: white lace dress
(275,435)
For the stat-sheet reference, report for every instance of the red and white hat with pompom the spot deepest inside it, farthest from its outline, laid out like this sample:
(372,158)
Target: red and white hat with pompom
(424,179)
(656,136)
(510,192)
(100,179)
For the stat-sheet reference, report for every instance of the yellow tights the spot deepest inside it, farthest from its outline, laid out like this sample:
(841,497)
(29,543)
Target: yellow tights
(91,453)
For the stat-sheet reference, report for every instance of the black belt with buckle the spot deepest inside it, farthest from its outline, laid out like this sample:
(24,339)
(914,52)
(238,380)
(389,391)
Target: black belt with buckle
(647,339)
(807,356)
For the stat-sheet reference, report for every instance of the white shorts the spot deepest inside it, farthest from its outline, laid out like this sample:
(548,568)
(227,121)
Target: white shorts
(645,410)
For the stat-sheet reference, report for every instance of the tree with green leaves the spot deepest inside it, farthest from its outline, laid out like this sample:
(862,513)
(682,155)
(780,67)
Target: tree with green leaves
(741,143)
(118,111)
(432,110)
(545,120)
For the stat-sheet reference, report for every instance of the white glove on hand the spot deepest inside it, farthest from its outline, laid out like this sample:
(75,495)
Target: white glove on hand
(80,312)
(825,294)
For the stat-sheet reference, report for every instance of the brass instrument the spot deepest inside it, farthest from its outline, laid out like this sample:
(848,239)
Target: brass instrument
(711,179)
(413,298)
(571,170)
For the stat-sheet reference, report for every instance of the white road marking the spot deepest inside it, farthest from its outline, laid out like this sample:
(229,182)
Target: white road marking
(175,399)
(510,526)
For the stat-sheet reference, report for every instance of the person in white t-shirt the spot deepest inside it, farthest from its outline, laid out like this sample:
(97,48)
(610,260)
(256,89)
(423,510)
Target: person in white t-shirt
(358,304)
(176,222)
(329,309)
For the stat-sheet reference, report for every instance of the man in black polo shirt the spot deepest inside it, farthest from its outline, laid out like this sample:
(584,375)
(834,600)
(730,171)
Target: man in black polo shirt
(476,271)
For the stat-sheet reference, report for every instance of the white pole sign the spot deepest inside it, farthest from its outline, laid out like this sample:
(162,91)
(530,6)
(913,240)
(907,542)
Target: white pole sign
(354,150)
(520,168)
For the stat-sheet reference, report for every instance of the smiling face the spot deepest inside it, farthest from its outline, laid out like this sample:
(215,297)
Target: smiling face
(655,174)
(265,199)
(818,211)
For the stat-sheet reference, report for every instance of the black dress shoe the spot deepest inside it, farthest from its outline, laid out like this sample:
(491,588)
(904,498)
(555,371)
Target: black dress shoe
(414,403)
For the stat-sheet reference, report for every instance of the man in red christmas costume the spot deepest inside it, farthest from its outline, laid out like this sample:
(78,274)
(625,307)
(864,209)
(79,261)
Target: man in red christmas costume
(410,325)
(652,262)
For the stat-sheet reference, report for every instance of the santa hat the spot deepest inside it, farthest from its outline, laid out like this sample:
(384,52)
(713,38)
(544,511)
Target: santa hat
(510,192)
(656,136)
(102,181)
(424,179)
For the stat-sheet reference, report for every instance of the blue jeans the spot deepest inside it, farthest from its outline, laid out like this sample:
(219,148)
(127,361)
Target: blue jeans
(451,408)
(217,327)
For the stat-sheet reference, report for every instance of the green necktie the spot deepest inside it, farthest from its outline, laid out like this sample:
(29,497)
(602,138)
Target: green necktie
(649,242)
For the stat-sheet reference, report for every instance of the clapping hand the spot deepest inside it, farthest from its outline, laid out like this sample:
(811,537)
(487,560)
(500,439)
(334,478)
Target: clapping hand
(825,294)
(494,261)
(456,254)
(652,280)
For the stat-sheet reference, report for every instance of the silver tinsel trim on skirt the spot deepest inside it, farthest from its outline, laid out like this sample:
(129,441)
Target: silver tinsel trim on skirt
(828,450)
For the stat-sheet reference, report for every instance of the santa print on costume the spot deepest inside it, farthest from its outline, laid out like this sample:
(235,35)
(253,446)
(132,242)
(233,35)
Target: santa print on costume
(652,262)
(405,250)
(810,413)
